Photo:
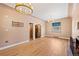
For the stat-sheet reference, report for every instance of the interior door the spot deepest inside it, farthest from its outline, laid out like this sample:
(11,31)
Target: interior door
(37,31)
(31,31)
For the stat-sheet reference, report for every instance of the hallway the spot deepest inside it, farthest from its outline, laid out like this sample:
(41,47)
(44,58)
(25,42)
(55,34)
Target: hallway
(40,47)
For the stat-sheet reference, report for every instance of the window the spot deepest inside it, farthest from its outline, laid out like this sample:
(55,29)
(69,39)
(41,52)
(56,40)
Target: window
(56,27)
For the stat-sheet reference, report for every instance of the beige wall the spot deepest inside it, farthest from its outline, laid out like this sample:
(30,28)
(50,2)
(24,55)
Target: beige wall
(75,20)
(16,34)
(70,9)
(66,28)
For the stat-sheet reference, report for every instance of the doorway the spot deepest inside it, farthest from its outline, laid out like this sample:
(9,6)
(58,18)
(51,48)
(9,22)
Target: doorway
(37,31)
(31,31)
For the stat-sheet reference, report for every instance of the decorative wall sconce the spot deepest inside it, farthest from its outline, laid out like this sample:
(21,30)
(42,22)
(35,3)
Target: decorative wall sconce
(50,20)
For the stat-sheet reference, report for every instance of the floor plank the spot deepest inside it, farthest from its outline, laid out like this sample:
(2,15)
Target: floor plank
(39,47)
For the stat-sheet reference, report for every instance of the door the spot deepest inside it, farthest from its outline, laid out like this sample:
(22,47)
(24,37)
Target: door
(37,31)
(31,31)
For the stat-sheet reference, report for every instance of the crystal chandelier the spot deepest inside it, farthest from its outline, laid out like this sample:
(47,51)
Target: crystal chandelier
(25,8)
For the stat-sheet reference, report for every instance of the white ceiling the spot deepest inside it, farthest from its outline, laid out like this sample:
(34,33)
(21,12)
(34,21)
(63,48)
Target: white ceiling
(48,10)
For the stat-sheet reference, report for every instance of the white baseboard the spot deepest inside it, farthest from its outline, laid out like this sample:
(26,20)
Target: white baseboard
(64,38)
(2,48)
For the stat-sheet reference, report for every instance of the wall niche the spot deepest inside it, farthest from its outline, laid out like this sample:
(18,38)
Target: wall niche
(17,24)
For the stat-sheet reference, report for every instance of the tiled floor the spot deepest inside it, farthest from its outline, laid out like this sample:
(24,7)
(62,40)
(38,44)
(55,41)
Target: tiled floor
(39,47)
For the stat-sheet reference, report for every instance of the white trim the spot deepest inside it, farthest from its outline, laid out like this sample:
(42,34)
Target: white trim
(2,48)
(63,37)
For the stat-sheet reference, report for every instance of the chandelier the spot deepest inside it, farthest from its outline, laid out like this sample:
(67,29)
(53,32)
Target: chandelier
(25,8)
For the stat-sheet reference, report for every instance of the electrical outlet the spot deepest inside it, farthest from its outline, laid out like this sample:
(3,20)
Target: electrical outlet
(6,41)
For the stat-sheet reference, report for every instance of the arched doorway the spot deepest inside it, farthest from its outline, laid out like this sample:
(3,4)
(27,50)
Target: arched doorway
(37,31)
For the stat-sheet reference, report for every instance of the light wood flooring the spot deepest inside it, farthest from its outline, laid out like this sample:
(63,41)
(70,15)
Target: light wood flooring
(39,47)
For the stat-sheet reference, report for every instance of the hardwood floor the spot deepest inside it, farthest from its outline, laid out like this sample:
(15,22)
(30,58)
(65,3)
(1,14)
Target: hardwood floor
(39,47)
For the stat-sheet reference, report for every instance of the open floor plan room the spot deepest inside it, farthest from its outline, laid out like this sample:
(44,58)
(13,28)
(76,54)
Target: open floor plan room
(39,29)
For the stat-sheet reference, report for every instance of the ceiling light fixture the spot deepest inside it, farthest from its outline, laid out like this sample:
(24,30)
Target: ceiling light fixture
(25,8)
(50,20)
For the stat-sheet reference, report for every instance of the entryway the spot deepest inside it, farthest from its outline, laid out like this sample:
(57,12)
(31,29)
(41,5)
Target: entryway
(31,31)
(37,31)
